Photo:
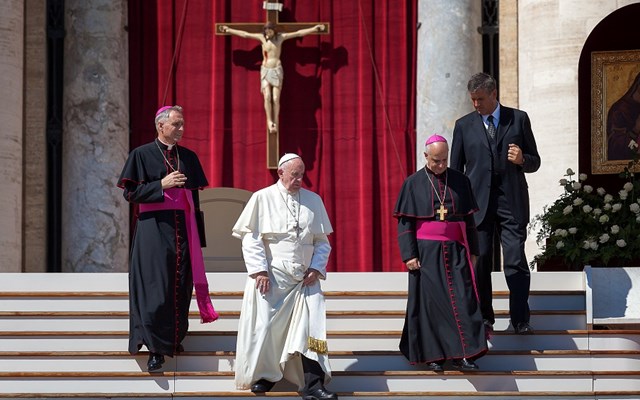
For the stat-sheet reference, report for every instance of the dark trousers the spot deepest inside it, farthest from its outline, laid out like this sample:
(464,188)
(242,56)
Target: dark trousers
(313,375)
(499,219)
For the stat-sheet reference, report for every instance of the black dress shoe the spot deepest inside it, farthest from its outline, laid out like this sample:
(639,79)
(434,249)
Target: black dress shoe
(320,394)
(262,386)
(523,328)
(434,366)
(155,362)
(464,364)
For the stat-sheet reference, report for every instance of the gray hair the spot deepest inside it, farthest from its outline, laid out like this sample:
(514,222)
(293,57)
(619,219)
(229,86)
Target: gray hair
(481,81)
(164,114)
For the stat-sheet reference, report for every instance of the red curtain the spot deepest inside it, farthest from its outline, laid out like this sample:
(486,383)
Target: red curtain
(347,105)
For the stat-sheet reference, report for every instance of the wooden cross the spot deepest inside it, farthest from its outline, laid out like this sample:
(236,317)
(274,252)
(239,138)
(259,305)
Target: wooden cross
(273,7)
(442,211)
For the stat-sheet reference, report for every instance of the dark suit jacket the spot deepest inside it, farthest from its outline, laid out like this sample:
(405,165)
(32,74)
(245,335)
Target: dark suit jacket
(471,154)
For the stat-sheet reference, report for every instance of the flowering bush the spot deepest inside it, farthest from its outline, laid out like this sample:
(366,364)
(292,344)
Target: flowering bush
(590,226)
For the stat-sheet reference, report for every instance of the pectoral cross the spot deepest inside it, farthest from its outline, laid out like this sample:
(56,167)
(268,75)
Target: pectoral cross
(273,7)
(297,229)
(442,211)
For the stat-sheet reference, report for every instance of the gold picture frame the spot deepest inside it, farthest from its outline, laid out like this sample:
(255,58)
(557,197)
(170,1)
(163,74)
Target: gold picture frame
(613,76)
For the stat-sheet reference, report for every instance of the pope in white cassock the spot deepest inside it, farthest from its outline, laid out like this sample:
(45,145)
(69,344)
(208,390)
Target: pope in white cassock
(282,329)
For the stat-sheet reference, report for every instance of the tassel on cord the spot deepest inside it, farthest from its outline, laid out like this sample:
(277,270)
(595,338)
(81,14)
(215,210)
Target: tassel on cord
(318,345)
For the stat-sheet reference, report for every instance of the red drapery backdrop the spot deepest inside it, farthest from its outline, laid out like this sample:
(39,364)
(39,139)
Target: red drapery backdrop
(347,105)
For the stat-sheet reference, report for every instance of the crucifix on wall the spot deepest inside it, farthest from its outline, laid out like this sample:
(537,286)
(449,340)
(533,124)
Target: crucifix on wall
(271,36)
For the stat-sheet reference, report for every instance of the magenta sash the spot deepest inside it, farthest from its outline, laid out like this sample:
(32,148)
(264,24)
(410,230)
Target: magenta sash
(182,199)
(447,231)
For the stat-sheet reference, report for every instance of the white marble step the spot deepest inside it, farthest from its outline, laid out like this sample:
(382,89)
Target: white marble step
(546,302)
(346,341)
(229,322)
(135,383)
(234,281)
(494,361)
(389,381)
(349,396)
(108,302)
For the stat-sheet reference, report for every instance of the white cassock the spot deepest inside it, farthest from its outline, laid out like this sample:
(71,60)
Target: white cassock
(284,235)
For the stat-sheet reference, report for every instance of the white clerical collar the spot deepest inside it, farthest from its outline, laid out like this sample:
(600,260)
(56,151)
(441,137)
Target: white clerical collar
(169,146)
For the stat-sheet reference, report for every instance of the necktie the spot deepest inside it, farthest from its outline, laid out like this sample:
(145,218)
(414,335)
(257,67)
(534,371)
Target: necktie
(491,128)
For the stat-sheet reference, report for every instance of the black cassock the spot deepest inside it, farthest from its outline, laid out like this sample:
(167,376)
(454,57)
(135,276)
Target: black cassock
(160,278)
(443,319)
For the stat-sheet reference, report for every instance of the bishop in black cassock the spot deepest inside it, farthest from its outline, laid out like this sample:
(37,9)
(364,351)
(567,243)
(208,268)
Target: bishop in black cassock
(437,237)
(166,242)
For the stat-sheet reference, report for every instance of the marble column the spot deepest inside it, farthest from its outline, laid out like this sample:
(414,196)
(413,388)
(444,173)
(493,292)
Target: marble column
(449,52)
(95,232)
(11,115)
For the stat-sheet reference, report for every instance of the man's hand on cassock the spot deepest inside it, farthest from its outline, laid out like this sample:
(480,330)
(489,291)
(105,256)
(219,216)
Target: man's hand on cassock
(413,264)
(176,178)
(262,281)
(310,277)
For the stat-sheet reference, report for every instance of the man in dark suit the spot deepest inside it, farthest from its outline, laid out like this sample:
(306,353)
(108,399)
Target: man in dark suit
(494,146)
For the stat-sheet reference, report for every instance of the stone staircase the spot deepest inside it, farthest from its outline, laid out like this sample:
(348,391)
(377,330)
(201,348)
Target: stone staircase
(64,336)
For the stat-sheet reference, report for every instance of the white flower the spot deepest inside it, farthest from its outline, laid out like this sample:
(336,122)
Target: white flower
(628,186)
(604,238)
(604,218)
(616,207)
(567,210)
(582,177)
(623,194)
(633,144)
(587,188)
(593,245)
(615,229)
(621,243)
(607,206)
(608,198)
(634,207)
(638,218)
(576,185)
(597,211)
(570,171)
(560,245)
(586,245)
(558,232)
(578,201)
(601,191)
(587,208)
(573,230)
(563,182)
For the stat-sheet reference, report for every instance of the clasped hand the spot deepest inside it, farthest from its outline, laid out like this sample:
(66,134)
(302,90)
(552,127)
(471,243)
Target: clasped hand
(174,179)
(263,283)
(413,264)
(515,154)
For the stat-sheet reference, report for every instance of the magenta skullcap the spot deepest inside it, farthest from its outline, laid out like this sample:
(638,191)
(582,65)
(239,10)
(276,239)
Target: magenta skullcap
(435,139)
(161,109)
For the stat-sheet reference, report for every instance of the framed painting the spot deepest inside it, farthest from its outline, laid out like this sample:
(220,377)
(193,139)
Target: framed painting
(615,109)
